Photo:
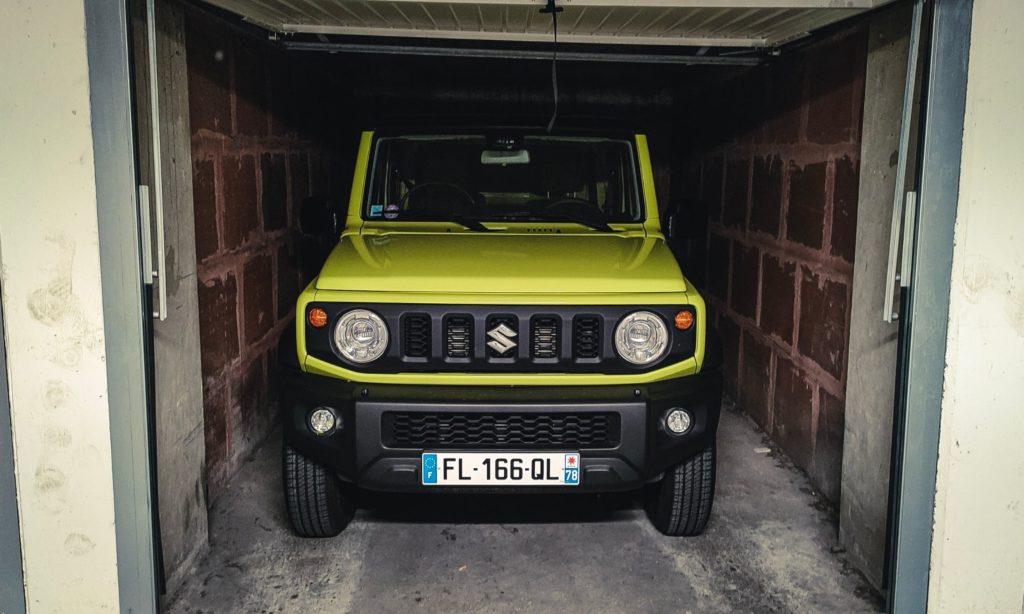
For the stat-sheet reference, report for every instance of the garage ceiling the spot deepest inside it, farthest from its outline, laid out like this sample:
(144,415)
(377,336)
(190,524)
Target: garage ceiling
(712,23)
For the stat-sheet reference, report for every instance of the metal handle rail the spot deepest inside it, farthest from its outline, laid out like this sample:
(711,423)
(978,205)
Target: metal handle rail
(890,312)
(160,273)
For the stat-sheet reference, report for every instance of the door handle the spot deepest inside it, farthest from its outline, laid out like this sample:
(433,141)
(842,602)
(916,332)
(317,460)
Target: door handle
(890,312)
(160,272)
(155,277)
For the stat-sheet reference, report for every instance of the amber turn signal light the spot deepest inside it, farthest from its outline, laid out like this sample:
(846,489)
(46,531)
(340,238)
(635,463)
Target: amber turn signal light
(318,317)
(684,320)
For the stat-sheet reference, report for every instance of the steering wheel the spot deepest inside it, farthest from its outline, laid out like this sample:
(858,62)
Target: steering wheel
(454,187)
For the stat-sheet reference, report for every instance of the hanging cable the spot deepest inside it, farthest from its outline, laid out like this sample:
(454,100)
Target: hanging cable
(554,11)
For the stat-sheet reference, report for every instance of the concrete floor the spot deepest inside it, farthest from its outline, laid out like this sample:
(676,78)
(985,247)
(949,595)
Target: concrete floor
(770,547)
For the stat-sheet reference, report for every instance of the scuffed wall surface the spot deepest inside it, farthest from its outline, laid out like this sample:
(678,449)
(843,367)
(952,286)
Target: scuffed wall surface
(977,562)
(53,312)
(773,152)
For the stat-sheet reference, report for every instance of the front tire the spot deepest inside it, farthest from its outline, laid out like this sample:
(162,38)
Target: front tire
(680,504)
(318,505)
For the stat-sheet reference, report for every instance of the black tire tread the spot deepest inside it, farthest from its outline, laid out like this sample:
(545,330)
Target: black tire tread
(316,503)
(681,504)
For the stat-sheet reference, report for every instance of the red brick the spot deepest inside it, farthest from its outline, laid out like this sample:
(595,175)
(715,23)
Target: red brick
(218,323)
(766,195)
(778,295)
(755,384)
(823,321)
(835,73)
(745,269)
(209,89)
(690,181)
(711,187)
(275,191)
(250,87)
(844,208)
(805,220)
(204,197)
(284,94)
(729,332)
(287,280)
(693,258)
(792,407)
(298,168)
(827,465)
(240,212)
(274,373)
(258,282)
(784,101)
(252,391)
(718,266)
(317,174)
(737,177)
(215,425)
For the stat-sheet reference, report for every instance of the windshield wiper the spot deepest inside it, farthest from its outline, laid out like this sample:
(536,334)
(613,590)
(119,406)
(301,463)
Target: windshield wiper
(595,224)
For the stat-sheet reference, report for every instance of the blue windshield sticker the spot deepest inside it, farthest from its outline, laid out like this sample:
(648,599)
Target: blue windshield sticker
(376,210)
(391,212)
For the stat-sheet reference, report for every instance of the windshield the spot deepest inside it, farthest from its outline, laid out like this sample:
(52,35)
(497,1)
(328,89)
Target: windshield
(472,178)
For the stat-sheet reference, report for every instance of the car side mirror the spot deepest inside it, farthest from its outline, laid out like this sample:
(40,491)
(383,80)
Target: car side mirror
(320,217)
(686,220)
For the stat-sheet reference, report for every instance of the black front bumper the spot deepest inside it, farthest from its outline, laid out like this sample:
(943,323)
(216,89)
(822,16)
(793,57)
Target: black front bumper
(359,453)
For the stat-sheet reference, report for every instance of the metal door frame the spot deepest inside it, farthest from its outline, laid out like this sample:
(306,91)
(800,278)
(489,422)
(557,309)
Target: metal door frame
(927,306)
(124,310)
(12,571)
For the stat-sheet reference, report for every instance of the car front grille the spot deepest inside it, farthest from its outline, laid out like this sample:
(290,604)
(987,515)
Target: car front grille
(500,430)
(416,335)
(458,334)
(544,341)
(501,338)
(586,336)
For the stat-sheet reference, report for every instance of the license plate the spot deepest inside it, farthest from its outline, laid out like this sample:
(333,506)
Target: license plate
(501,469)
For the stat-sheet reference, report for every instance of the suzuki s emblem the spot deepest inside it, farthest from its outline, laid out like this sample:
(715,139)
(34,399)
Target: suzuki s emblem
(500,339)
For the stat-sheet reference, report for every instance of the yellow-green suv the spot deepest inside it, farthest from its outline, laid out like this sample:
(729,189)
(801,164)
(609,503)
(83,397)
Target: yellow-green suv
(501,313)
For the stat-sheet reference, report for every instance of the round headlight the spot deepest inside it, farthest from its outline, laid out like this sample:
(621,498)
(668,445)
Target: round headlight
(641,338)
(360,336)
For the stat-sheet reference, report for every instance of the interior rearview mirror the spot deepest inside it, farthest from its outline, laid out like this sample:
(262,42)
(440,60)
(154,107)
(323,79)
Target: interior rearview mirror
(519,156)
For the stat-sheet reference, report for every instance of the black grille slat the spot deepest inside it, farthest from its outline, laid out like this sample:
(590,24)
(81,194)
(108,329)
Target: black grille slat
(416,336)
(586,337)
(544,332)
(497,430)
(459,337)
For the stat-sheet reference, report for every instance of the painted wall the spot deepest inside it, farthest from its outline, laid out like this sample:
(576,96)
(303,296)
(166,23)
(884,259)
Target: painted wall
(977,559)
(53,312)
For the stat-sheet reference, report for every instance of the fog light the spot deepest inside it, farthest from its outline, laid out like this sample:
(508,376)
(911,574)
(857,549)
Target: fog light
(678,421)
(322,420)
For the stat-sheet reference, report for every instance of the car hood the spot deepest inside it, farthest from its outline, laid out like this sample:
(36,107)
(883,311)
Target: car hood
(501,262)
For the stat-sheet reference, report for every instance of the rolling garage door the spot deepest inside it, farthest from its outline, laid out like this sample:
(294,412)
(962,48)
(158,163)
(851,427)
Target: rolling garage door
(698,23)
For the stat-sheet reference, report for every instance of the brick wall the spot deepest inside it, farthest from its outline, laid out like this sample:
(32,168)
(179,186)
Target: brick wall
(253,163)
(776,159)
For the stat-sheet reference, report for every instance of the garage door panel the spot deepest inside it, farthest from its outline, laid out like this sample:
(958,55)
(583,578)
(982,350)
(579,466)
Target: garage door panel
(731,23)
